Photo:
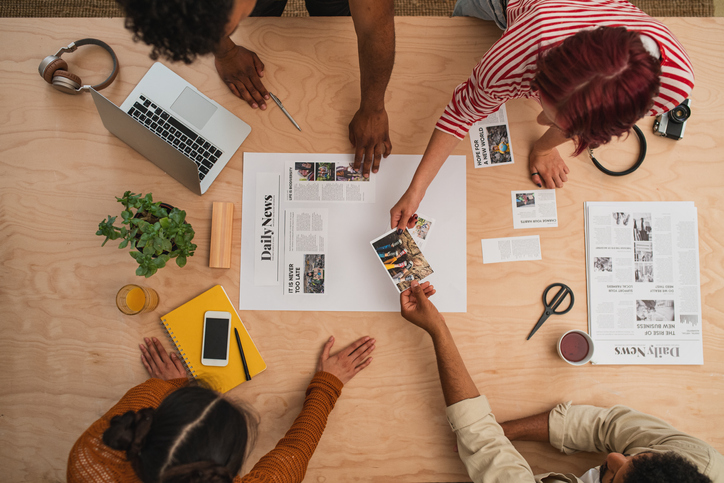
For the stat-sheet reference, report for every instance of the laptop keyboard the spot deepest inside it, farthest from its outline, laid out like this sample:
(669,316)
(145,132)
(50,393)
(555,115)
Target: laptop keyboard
(175,133)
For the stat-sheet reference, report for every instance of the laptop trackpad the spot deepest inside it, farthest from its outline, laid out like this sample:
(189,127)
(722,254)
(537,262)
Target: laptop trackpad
(194,108)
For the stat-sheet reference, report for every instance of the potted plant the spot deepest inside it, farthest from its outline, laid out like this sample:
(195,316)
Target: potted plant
(156,232)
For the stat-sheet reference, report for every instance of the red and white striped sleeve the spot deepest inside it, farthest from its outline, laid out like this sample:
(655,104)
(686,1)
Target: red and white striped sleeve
(506,70)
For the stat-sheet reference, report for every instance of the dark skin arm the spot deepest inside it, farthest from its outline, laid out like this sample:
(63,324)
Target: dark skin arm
(532,428)
(241,70)
(455,379)
(369,130)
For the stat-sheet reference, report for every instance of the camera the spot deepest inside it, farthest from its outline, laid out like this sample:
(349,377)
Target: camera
(673,123)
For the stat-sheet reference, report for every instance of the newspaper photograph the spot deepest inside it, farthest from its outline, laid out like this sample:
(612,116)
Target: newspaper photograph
(402,258)
(421,231)
(643,282)
(534,209)
(511,249)
(490,140)
(305,250)
(327,181)
(266,229)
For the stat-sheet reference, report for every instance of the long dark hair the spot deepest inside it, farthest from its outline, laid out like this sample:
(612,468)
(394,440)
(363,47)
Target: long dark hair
(194,435)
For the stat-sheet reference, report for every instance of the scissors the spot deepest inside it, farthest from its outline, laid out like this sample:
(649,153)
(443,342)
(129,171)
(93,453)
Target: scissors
(553,304)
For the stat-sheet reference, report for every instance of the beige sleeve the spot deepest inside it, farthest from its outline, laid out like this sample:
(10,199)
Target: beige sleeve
(484,450)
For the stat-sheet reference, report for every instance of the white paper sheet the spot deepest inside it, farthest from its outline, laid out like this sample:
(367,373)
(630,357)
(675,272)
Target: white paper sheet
(490,140)
(352,276)
(511,249)
(534,209)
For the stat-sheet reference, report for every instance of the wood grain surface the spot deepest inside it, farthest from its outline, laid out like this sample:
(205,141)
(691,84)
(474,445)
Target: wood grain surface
(67,354)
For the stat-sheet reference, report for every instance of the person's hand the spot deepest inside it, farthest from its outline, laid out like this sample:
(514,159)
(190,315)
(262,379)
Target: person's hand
(550,168)
(369,134)
(402,215)
(346,363)
(241,70)
(417,308)
(158,363)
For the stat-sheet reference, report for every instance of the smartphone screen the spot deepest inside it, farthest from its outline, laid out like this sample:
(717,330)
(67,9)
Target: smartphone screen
(216,339)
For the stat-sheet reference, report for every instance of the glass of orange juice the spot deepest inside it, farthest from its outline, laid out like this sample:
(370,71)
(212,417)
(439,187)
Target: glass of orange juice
(133,299)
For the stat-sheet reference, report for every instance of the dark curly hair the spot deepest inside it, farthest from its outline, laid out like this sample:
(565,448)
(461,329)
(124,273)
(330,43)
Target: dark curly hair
(194,436)
(177,29)
(666,467)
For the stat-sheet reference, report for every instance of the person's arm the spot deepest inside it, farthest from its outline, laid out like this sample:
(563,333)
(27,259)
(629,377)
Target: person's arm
(369,129)
(438,149)
(532,428)
(241,70)
(486,453)
(287,462)
(547,161)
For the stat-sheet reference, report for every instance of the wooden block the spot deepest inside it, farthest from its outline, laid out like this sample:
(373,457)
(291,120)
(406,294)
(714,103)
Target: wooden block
(222,221)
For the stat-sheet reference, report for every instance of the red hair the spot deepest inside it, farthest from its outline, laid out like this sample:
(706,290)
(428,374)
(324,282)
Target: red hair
(600,81)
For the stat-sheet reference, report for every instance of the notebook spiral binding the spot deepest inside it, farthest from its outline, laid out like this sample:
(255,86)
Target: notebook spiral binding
(184,357)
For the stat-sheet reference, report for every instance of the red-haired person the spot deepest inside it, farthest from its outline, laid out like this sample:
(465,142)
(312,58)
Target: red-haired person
(595,66)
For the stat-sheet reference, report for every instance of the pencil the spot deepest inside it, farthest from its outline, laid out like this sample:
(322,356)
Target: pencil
(243,359)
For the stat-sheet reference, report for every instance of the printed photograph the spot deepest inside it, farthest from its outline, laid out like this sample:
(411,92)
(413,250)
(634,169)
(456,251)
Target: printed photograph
(305,171)
(499,145)
(325,171)
(642,226)
(643,252)
(655,310)
(524,199)
(621,218)
(421,228)
(602,264)
(347,173)
(313,273)
(692,320)
(644,272)
(402,259)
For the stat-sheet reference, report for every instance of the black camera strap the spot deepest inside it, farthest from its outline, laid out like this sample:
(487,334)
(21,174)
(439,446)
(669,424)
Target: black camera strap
(642,155)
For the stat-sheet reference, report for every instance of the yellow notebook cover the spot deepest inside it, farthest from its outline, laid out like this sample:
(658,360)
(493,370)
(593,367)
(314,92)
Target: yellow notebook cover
(185,326)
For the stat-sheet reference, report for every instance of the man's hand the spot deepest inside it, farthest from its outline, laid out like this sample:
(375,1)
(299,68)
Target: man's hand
(369,134)
(551,168)
(346,363)
(416,308)
(241,70)
(158,363)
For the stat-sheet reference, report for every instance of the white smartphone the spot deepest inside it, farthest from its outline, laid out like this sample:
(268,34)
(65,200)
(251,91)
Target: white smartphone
(217,333)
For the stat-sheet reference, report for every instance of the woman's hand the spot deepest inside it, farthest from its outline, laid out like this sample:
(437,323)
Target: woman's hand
(346,363)
(550,168)
(401,215)
(158,363)
(242,70)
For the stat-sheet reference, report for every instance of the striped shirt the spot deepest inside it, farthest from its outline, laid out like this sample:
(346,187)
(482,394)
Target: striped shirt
(507,69)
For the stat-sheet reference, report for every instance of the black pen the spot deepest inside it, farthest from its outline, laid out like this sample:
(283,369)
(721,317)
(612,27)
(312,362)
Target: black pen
(243,359)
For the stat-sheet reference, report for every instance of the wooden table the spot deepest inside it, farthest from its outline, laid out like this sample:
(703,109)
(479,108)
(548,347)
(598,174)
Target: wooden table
(67,354)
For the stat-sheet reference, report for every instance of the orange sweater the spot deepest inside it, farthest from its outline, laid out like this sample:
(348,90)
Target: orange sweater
(92,461)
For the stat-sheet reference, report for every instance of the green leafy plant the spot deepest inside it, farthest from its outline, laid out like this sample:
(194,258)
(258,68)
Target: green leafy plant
(154,233)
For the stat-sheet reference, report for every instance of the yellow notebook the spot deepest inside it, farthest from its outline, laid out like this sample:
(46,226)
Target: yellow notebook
(185,326)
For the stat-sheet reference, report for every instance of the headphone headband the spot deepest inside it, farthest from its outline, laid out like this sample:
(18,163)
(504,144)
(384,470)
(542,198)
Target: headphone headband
(70,87)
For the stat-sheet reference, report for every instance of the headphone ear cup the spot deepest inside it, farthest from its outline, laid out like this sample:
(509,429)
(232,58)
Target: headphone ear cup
(52,67)
(65,80)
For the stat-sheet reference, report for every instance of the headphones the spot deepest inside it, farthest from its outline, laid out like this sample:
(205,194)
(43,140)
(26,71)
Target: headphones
(55,70)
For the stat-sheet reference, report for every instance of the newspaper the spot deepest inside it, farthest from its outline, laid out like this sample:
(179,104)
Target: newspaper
(266,230)
(642,265)
(327,181)
(534,209)
(511,249)
(490,140)
(305,247)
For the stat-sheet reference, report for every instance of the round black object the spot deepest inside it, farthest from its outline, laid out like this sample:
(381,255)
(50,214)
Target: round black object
(680,113)
(642,154)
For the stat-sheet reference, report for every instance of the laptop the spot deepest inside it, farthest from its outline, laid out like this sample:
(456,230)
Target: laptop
(176,127)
